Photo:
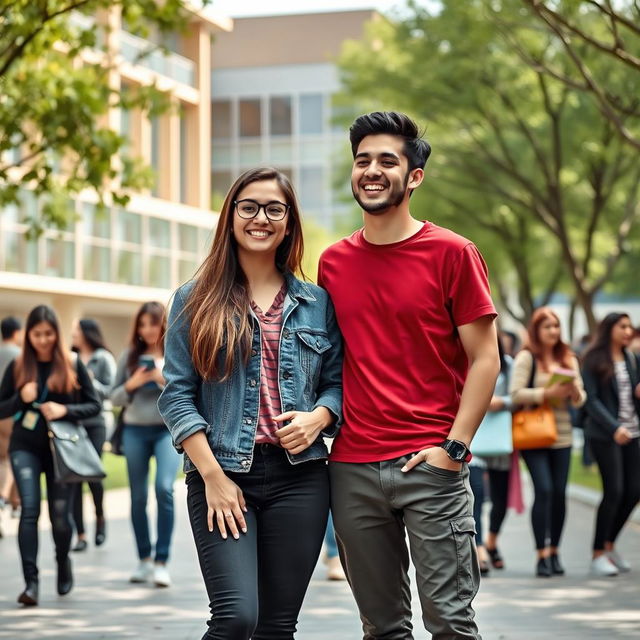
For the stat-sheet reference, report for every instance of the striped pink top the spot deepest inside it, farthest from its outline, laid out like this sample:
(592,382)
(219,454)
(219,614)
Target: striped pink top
(270,404)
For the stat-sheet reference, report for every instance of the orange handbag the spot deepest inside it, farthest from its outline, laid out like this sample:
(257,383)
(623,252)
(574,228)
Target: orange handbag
(534,428)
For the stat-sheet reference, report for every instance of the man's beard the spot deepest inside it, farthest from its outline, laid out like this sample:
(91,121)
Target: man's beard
(395,197)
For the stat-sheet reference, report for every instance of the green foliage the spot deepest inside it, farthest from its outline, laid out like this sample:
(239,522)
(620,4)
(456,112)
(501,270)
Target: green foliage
(54,138)
(522,164)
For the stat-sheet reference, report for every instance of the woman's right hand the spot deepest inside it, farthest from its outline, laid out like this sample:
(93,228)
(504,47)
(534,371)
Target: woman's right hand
(29,392)
(138,378)
(558,391)
(226,505)
(622,435)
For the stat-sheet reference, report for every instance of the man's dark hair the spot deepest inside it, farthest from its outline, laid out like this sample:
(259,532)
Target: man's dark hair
(9,326)
(392,123)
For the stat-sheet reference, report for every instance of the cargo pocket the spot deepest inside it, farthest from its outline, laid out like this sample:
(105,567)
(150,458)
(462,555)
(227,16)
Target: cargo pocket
(464,530)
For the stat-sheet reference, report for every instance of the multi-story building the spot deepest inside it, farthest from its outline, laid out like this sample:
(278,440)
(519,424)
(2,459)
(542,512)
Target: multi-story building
(104,266)
(272,85)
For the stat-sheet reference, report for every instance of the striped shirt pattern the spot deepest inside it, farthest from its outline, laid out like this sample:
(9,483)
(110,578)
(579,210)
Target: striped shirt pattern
(270,403)
(627,416)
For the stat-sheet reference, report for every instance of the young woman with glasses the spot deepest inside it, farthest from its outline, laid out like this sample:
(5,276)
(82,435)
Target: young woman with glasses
(253,382)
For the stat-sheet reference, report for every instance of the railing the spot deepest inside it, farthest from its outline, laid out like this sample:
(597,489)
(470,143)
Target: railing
(172,65)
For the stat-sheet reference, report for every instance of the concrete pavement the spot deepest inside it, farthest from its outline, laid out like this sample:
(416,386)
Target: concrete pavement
(512,604)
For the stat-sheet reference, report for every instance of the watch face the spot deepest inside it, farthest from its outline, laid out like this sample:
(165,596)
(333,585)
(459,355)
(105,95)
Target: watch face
(456,450)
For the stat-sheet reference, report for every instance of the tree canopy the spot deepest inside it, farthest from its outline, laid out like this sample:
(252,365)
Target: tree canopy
(55,139)
(523,164)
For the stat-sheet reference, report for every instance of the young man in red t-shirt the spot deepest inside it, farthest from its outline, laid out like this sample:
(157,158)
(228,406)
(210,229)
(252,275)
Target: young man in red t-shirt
(413,303)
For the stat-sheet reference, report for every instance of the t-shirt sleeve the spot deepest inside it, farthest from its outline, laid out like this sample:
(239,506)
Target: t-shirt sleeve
(469,293)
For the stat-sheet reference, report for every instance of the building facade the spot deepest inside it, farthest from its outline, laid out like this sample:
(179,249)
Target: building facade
(273,82)
(105,265)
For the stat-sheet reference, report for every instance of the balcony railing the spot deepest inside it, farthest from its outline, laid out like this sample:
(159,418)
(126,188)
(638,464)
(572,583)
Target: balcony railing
(172,65)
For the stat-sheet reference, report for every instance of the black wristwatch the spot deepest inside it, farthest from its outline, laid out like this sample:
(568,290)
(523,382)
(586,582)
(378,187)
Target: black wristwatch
(455,449)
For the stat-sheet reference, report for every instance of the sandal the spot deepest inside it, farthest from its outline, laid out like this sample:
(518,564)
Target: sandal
(496,559)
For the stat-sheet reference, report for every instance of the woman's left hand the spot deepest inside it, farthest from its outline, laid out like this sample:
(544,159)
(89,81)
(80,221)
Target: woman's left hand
(53,410)
(157,377)
(303,428)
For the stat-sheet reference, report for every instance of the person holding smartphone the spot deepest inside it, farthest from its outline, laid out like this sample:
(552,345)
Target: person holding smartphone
(253,369)
(137,387)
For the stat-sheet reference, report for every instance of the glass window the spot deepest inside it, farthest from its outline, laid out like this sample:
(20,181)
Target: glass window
(10,214)
(250,125)
(221,119)
(312,151)
(60,258)
(311,120)
(29,204)
(186,269)
(160,272)
(281,152)
(220,183)
(206,238)
(97,222)
(19,254)
(221,155)
(311,188)
(129,267)
(250,153)
(188,238)
(159,233)
(129,227)
(280,118)
(97,263)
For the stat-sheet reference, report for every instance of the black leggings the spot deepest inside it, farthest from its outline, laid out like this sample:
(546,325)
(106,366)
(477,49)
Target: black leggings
(499,490)
(549,469)
(620,471)
(256,584)
(97,435)
(27,467)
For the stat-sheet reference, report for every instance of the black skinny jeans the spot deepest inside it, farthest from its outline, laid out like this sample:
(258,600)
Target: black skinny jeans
(549,469)
(97,435)
(620,471)
(256,584)
(498,492)
(27,467)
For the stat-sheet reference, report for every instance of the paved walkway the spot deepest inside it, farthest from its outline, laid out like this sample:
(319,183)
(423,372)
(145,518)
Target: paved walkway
(512,604)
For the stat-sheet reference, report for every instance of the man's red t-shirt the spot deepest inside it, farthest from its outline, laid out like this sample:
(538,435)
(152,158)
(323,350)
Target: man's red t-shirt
(398,306)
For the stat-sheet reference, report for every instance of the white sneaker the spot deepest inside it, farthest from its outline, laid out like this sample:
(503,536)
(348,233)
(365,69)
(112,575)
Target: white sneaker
(334,569)
(143,572)
(602,566)
(618,561)
(161,576)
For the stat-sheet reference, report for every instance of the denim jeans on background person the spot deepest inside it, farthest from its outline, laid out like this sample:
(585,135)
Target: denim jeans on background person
(330,539)
(140,443)
(256,584)
(476,481)
(549,469)
(27,467)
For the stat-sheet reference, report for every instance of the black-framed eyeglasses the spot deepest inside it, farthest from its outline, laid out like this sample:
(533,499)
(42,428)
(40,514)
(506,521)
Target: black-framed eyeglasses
(248,209)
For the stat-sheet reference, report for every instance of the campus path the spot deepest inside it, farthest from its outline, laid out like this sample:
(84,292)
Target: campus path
(511,605)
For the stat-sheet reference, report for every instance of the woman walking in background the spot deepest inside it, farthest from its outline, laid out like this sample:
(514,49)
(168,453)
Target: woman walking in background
(253,374)
(612,428)
(137,387)
(42,384)
(544,353)
(87,341)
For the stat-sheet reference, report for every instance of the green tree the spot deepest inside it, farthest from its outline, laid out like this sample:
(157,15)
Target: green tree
(524,165)
(55,94)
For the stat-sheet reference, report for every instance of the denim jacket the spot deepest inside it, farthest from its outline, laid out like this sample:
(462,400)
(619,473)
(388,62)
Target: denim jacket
(309,374)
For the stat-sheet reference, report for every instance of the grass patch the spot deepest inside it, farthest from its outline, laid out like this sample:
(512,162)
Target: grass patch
(584,476)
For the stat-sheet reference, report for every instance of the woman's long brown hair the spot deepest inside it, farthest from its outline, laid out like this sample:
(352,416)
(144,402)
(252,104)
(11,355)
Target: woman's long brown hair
(219,303)
(63,378)
(137,346)
(561,351)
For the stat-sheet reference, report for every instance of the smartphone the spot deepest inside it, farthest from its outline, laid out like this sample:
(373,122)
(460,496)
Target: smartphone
(148,362)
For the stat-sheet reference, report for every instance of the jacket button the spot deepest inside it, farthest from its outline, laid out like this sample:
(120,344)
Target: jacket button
(286,375)
(245,463)
(253,383)
(286,333)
